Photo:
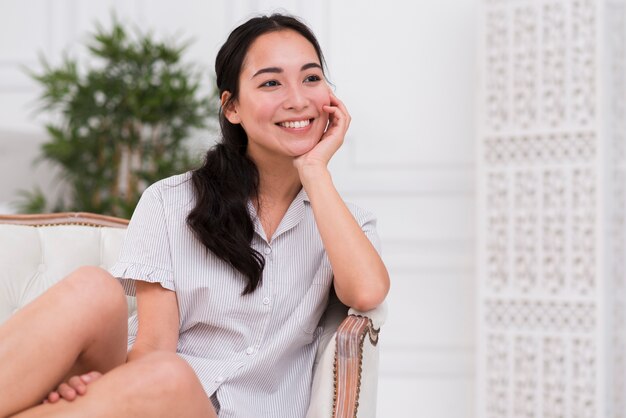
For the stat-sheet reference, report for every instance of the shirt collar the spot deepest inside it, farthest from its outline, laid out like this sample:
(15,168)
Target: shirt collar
(292,217)
(303,195)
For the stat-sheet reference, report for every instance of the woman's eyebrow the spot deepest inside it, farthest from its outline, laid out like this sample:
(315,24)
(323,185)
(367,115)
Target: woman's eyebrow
(310,65)
(268,70)
(280,70)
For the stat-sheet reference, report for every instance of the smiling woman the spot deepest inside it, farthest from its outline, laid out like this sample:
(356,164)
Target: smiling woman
(232,264)
(282,97)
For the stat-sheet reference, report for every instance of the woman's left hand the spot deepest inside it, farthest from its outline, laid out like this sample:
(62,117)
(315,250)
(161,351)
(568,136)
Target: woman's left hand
(332,139)
(74,387)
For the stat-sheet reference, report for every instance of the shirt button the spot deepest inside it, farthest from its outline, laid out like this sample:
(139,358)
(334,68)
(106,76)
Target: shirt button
(219,379)
(266,301)
(250,350)
(267,250)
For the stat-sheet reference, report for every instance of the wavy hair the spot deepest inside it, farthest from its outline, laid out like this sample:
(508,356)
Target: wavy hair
(228,179)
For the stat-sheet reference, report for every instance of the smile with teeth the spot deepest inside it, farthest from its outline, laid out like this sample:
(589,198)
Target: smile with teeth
(296,124)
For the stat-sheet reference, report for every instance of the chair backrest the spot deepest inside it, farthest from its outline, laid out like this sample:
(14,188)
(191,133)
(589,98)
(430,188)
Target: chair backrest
(36,251)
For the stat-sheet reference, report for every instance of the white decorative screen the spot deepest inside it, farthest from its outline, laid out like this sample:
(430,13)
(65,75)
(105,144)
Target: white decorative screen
(552,292)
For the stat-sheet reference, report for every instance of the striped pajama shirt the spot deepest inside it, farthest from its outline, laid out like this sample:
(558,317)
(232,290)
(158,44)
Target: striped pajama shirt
(254,353)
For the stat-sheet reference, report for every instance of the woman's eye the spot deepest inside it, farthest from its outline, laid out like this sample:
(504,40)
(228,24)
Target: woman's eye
(271,83)
(312,78)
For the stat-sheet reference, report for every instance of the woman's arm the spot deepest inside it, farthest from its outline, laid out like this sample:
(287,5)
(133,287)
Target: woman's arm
(361,279)
(157,312)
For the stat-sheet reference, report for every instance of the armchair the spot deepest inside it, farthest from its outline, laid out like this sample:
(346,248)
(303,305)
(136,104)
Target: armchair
(38,250)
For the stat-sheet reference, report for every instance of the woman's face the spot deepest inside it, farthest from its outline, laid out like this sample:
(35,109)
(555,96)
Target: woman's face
(281,93)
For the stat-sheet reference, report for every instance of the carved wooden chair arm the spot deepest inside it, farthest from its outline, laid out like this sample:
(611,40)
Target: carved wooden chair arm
(354,332)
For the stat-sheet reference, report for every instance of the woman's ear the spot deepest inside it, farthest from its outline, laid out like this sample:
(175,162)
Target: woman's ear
(229,109)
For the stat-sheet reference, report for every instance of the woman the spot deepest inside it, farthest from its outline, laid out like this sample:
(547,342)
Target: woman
(232,264)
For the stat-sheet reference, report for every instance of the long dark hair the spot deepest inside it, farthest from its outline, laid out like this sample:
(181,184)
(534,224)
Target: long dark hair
(229,178)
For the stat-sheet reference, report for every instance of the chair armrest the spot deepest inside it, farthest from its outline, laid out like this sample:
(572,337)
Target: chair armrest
(377,315)
(357,338)
(325,379)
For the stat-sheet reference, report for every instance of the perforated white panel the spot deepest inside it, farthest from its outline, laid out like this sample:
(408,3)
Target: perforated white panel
(552,291)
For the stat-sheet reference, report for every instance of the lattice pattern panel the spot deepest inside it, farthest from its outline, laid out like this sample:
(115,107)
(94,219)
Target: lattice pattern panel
(539,67)
(538,149)
(540,316)
(553,209)
(540,231)
(533,376)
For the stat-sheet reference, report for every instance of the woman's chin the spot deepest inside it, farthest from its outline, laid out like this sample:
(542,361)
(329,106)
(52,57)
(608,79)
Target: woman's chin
(300,151)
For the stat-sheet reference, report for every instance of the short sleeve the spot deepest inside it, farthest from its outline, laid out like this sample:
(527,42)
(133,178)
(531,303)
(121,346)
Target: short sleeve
(367,221)
(145,253)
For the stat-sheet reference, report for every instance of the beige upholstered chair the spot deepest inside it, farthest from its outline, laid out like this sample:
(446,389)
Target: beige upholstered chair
(38,250)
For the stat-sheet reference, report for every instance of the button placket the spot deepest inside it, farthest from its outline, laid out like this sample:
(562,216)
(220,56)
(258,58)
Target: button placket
(266,302)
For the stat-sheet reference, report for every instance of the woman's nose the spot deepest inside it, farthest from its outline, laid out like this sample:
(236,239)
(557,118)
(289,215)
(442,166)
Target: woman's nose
(296,99)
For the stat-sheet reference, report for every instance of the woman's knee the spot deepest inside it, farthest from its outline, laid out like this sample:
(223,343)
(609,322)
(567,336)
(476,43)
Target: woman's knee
(96,287)
(161,384)
(173,374)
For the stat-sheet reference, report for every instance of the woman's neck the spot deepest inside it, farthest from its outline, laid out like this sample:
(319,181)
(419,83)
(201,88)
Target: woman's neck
(278,186)
(279,182)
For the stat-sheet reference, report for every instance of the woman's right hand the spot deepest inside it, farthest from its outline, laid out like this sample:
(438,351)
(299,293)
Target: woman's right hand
(75,386)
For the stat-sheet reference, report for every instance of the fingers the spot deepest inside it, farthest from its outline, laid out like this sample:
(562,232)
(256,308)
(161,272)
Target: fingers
(90,377)
(67,392)
(62,392)
(52,397)
(334,101)
(75,386)
(338,119)
(78,385)
(337,111)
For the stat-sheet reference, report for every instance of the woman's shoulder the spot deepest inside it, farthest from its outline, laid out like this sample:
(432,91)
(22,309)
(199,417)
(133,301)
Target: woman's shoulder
(173,181)
(173,187)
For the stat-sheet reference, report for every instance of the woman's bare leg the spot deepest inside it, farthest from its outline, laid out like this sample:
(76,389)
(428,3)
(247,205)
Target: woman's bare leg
(78,325)
(157,385)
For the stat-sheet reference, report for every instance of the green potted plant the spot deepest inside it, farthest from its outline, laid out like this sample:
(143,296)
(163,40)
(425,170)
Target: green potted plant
(122,124)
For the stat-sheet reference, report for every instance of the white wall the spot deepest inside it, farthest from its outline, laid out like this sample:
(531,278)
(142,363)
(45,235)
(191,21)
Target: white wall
(406,73)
